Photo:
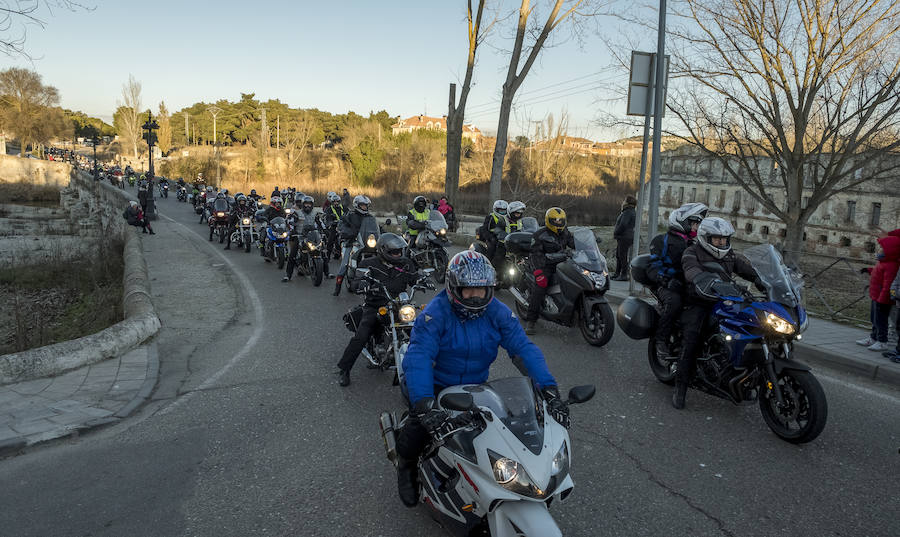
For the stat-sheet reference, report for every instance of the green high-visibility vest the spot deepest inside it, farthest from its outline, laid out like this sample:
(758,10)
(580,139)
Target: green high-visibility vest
(420,217)
(513,226)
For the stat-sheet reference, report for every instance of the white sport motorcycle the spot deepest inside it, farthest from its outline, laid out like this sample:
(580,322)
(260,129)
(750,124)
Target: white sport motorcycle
(498,463)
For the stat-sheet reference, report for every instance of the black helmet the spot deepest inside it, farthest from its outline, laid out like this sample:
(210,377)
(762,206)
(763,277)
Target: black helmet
(390,248)
(420,203)
(241,199)
(252,191)
(220,196)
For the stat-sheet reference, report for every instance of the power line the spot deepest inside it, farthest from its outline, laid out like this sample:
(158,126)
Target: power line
(539,99)
(537,90)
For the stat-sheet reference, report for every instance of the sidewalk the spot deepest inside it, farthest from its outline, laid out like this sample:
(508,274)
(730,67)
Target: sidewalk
(824,342)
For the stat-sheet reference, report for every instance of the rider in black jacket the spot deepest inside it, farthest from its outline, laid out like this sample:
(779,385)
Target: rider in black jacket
(334,212)
(240,210)
(349,229)
(274,210)
(397,273)
(548,245)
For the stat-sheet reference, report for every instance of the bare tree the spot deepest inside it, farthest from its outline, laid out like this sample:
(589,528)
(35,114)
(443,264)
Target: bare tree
(297,133)
(457,111)
(795,99)
(536,37)
(15,15)
(164,140)
(129,119)
(26,107)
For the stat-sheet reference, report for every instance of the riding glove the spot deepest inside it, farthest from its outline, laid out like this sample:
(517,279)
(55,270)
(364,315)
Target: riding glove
(556,406)
(540,279)
(429,416)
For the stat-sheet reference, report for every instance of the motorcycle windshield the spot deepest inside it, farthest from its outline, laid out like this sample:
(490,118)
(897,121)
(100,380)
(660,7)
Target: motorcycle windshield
(368,227)
(529,224)
(513,401)
(436,221)
(783,285)
(221,205)
(587,253)
(278,224)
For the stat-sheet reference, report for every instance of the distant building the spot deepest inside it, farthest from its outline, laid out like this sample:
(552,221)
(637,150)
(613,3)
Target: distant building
(432,123)
(846,225)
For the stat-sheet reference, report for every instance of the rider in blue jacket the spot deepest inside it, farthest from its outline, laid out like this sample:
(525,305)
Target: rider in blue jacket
(454,341)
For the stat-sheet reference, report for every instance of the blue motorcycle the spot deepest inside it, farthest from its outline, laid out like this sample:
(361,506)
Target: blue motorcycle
(747,345)
(276,241)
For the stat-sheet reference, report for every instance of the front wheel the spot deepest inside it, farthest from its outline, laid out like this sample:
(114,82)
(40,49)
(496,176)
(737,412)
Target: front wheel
(318,271)
(522,309)
(598,326)
(246,242)
(222,233)
(805,410)
(279,252)
(440,265)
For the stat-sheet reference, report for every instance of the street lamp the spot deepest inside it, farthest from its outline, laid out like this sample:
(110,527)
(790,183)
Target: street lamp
(96,135)
(150,136)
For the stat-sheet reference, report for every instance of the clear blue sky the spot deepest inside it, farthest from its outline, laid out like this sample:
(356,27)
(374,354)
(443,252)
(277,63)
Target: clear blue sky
(339,55)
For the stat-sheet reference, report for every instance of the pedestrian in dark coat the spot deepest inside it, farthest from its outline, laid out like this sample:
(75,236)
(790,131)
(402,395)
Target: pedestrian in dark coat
(623,233)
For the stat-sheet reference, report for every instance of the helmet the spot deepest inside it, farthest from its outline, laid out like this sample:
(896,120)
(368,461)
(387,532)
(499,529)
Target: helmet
(682,217)
(715,227)
(220,196)
(361,200)
(333,197)
(276,188)
(276,202)
(555,219)
(500,207)
(209,188)
(242,199)
(516,210)
(307,204)
(252,191)
(470,269)
(420,203)
(225,191)
(390,247)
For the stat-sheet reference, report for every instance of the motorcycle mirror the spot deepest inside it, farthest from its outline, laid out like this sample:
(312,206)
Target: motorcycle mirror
(387,222)
(582,394)
(363,271)
(427,271)
(457,401)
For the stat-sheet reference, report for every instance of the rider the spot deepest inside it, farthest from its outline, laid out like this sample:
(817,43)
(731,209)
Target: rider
(276,193)
(333,215)
(666,250)
(240,210)
(553,238)
(349,229)
(274,210)
(713,245)
(417,217)
(515,212)
(396,272)
(454,341)
(301,220)
(494,225)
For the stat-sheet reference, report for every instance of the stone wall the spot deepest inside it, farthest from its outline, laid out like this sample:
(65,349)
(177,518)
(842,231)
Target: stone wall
(39,172)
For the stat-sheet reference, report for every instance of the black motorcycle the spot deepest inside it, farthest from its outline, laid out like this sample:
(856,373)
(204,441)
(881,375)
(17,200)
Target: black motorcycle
(429,247)
(363,247)
(181,195)
(311,255)
(747,345)
(579,294)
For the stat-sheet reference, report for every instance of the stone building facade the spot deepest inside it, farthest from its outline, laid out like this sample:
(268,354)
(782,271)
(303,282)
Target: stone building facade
(846,225)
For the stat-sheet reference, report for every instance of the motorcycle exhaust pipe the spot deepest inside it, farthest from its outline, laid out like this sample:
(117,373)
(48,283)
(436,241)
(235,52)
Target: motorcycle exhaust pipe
(517,295)
(389,435)
(368,356)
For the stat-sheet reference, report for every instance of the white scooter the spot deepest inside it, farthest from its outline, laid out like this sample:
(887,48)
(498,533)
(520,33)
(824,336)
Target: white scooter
(499,461)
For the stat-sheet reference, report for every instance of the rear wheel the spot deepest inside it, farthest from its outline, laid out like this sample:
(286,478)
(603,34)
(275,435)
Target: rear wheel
(598,326)
(440,265)
(805,410)
(663,370)
(279,252)
(318,271)
(222,233)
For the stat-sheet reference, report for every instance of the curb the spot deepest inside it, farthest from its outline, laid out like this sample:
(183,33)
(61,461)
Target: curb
(148,385)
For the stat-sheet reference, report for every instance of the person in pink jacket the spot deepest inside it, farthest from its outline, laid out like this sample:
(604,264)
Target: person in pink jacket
(880,279)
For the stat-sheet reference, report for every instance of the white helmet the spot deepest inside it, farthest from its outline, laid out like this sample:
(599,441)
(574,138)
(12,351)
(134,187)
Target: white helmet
(361,200)
(715,227)
(332,196)
(501,207)
(681,218)
(515,207)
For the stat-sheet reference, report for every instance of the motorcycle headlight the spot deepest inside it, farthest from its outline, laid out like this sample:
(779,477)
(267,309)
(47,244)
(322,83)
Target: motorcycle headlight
(505,470)
(288,211)
(779,324)
(371,241)
(246,221)
(310,245)
(598,278)
(284,235)
(220,214)
(509,474)
(443,231)
(561,461)
(407,313)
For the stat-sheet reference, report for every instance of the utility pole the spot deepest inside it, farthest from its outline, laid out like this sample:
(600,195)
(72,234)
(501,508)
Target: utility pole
(214,111)
(186,131)
(653,215)
(278,132)
(264,130)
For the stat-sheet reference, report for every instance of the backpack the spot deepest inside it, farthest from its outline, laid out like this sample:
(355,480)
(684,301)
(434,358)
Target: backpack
(661,266)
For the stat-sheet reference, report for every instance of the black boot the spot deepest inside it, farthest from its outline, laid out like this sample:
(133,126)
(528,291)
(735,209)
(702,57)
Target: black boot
(337,285)
(407,482)
(678,396)
(344,379)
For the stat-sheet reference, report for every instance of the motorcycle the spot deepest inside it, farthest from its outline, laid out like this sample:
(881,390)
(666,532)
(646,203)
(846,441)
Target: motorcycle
(387,347)
(200,203)
(747,345)
(181,194)
(363,248)
(579,294)
(218,219)
(311,255)
(163,190)
(245,234)
(498,463)
(428,249)
(131,180)
(276,241)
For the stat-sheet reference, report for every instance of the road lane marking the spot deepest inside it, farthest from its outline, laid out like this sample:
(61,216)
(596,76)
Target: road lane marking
(862,389)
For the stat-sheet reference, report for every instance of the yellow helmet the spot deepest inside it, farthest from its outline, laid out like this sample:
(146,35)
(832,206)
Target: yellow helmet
(555,219)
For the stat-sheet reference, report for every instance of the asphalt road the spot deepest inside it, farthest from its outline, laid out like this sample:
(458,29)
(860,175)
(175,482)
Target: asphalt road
(249,434)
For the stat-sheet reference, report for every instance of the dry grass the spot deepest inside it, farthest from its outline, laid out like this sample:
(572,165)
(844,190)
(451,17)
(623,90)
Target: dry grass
(29,193)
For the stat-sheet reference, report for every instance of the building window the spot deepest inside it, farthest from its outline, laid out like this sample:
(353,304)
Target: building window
(782,232)
(851,211)
(870,247)
(823,239)
(876,214)
(680,195)
(805,202)
(721,201)
(668,196)
(845,241)
(749,227)
(693,195)
(706,198)
(765,231)
(737,201)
